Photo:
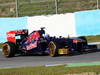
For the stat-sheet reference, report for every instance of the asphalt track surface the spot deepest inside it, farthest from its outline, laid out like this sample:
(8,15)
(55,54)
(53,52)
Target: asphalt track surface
(37,60)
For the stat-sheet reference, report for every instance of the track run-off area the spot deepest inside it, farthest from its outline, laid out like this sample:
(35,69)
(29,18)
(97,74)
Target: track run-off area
(40,60)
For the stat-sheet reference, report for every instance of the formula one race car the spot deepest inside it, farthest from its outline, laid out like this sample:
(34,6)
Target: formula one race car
(19,42)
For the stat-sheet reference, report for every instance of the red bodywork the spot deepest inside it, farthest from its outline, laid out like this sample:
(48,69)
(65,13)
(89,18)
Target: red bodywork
(34,36)
(11,35)
(29,42)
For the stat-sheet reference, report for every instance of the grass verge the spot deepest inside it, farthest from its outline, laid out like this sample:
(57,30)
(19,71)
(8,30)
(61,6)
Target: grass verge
(56,70)
(43,7)
(93,38)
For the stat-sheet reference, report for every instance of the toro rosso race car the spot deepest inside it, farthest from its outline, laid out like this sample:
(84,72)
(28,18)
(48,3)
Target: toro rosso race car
(19,42)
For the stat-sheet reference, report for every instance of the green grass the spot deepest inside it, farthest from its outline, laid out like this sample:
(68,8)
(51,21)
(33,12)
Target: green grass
(64,6)
(56,70)
(6,1)
(46,7)
(93,38)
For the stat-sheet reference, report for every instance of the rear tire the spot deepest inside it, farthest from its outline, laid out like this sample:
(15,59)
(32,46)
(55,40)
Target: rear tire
(53,48)
(8,49)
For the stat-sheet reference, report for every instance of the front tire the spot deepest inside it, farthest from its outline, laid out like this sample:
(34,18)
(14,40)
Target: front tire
(8,49)
(53,48)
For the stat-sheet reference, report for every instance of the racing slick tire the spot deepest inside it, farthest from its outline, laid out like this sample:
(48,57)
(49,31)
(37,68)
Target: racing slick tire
(53,46)
(8,49)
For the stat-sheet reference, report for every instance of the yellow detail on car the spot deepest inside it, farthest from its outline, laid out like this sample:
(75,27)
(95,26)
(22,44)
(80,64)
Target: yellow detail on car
(63,51)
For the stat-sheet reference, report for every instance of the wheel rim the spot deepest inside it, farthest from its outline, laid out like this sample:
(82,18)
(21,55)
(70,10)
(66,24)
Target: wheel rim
(6,50)
(52,48)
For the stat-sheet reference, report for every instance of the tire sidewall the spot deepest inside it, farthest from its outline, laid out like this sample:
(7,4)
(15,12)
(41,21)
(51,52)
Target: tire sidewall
(12,49)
